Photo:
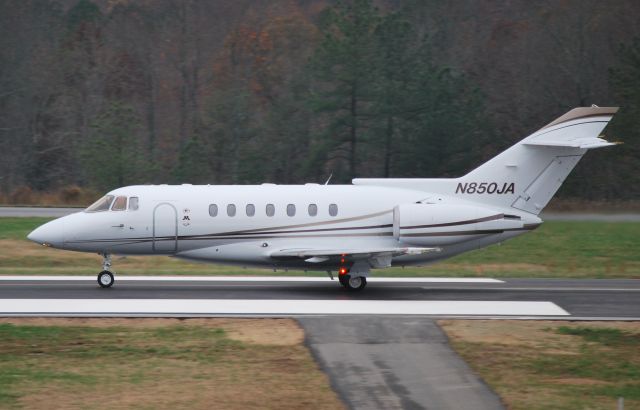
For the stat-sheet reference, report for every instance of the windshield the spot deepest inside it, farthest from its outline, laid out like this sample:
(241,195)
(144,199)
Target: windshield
(120,204)
(101,204)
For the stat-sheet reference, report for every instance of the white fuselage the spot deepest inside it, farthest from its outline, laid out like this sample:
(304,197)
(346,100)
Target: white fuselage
(374,223)
(177,220)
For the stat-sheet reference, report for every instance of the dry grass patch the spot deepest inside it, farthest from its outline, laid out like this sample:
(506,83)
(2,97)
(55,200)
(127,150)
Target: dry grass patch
(551,364)
(159,363)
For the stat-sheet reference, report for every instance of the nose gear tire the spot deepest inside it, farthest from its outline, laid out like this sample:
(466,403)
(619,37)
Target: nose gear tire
(105,279)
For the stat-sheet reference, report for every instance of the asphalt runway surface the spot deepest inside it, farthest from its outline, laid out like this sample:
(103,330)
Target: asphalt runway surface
(582,299)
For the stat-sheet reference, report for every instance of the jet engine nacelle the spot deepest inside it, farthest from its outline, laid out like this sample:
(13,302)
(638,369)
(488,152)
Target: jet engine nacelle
(444,224)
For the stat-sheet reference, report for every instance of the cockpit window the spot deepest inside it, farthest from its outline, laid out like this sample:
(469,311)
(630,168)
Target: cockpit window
(101,204)
(120,204)
(133,203)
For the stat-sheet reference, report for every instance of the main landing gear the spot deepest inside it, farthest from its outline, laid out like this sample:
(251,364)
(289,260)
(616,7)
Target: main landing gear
(105,278)
(351,279)
(353,283)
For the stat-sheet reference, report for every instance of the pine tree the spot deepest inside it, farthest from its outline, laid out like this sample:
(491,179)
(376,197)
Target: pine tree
(111,155)
(342,70)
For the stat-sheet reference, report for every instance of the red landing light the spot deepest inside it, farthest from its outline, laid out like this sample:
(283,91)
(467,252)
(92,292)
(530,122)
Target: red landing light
(343,271)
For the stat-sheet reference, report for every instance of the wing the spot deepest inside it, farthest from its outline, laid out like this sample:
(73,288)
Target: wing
(315,255)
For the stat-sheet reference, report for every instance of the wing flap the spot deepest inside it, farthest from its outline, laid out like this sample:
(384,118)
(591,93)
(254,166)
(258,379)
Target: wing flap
(313,255)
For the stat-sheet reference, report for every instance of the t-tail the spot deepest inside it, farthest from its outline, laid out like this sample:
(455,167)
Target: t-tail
(528,174)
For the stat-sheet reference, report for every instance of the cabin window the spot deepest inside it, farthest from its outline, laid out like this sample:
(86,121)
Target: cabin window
(134,203)
(213,210)
(251,210)
(101,204)
(231,210)
(120,204)
(313,209)
(333,209)
(291,210)
(271,210)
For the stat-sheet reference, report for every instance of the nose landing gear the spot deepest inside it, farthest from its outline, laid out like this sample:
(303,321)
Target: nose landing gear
(105,278)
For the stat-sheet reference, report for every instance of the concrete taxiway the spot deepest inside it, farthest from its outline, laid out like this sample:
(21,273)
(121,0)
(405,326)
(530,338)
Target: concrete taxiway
(394,363)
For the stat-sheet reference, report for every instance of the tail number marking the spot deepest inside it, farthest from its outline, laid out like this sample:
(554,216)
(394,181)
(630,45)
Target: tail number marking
(485,188)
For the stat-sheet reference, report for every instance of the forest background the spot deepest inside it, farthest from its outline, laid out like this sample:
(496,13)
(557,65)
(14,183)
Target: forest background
(100,94)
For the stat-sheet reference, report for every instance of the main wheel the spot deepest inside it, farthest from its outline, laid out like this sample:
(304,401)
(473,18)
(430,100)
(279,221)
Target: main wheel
(105,279)
(344,280)
(355,283)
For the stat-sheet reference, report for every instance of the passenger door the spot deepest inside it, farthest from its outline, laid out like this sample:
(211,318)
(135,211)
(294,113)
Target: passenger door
(165,228)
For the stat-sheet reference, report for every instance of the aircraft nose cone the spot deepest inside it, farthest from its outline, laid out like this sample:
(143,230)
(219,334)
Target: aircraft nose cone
(36,235)
(47,235)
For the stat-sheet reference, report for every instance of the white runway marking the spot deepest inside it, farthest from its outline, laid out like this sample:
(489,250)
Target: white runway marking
(168,307)
(123,278)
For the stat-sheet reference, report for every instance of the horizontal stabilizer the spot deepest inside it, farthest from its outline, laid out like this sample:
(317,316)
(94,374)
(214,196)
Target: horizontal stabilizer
(579,128)
(583,143)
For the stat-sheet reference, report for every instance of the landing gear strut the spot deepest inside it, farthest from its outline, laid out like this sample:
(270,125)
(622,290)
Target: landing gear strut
(105,278)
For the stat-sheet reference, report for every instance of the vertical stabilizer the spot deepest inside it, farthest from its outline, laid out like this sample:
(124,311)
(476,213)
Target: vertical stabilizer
(528,174)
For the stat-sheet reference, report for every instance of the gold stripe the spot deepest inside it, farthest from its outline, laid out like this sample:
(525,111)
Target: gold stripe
(583,112)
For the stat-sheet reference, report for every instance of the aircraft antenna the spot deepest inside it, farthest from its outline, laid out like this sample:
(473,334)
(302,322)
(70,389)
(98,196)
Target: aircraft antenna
(328,179)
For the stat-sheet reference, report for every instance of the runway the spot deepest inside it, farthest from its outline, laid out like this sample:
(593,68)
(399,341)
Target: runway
(608,299)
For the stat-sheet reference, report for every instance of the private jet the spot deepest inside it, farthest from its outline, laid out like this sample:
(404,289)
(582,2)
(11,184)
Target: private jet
(345,229)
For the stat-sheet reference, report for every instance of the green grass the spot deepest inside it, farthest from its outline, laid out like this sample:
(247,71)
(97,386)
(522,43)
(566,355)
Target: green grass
(559,365)
(606,354)
(604,336)
(556,249)
(19,228)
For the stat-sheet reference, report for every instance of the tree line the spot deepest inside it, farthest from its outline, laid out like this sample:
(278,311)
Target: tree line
(102,94)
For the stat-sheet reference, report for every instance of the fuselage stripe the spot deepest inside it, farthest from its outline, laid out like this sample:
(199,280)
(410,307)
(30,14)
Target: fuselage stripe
(469,221)
(269,236)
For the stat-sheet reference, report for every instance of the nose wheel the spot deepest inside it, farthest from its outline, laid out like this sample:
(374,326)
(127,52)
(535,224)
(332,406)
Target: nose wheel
(105,278)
